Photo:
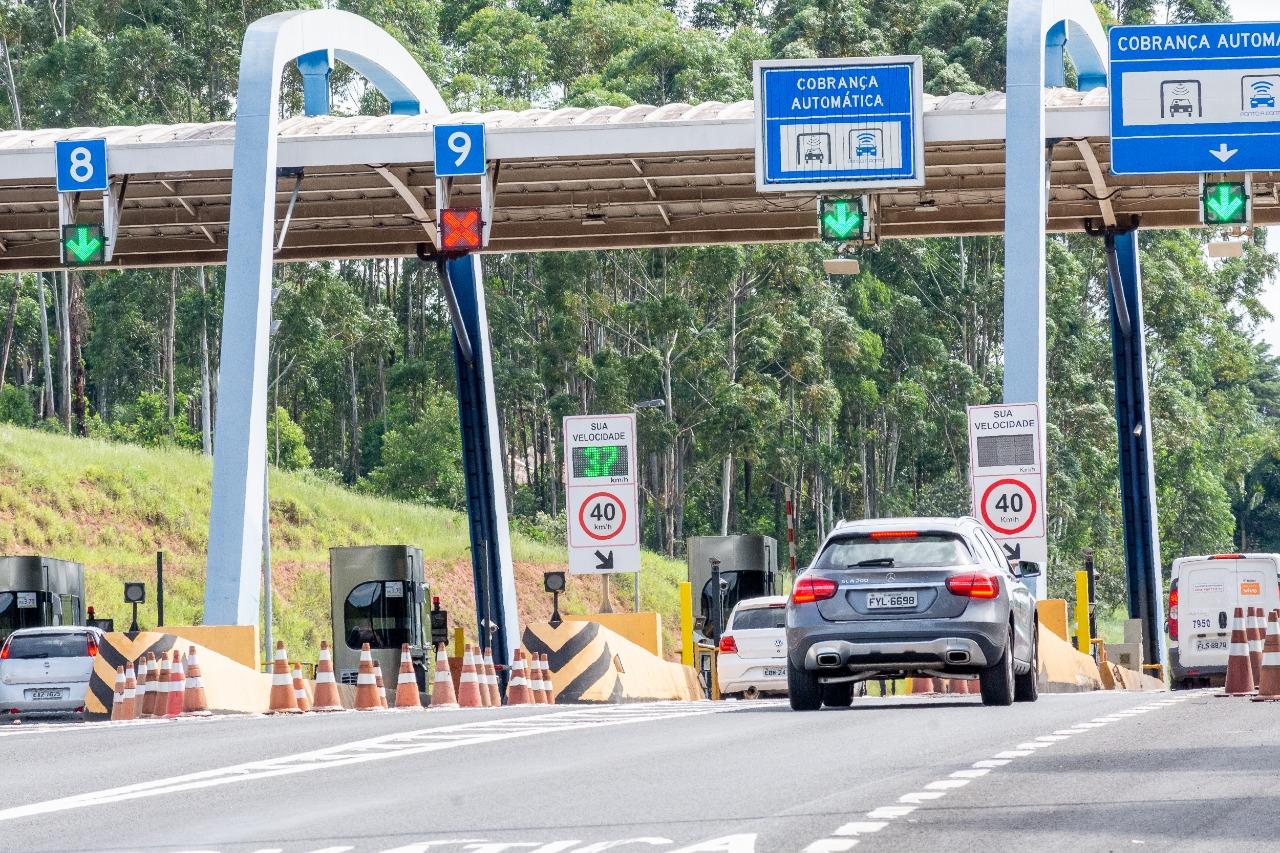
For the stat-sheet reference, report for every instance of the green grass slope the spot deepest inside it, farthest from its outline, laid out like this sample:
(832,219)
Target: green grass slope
(112,506)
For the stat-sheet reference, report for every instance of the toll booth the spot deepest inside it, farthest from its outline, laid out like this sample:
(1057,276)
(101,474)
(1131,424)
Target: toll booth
(37,592)
(748,569)
(378,597)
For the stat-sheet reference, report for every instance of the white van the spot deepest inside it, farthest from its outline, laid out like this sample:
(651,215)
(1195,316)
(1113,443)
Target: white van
(1203,596)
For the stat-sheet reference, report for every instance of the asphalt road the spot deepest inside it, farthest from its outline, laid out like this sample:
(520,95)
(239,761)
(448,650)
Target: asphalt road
(1102,771)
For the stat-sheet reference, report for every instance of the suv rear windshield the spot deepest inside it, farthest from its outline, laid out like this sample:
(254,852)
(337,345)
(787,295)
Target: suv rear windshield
(34,646)
(924,550)
(760,617)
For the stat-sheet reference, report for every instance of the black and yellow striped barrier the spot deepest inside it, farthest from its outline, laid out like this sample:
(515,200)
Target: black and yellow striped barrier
(591,664)
(118,649)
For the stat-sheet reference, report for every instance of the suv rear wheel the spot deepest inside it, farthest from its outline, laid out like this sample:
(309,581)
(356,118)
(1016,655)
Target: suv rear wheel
(1026,687)
(997,680)
(803,690)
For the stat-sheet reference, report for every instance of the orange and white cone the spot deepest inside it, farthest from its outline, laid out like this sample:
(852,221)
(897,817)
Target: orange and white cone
(407,682)
(163,673)
(366,683)
(468,683)
(283,699)
(117,700)
(518,692)
(922,685)
(1239,671)
(194,701)
(1257,633)
(491,680)
(382,685)
(300,690)
(177,687)
(1269,683)
(130,692)
(537,685)
(442,692)
(146,686)
(548,686)
(327,696)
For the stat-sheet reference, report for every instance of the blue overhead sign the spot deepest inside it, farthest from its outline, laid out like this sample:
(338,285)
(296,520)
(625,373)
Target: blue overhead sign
(1195,98)
(459,150)
(831,124)
(80,165)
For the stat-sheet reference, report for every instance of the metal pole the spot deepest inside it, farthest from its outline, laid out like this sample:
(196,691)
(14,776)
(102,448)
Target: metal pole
(717,602)
(636,582)
(159,589)
(606,606)
(266,564)
(1093,611)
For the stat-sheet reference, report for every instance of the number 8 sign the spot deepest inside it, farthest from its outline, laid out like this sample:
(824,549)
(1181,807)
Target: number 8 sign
(81,165)
(459,150)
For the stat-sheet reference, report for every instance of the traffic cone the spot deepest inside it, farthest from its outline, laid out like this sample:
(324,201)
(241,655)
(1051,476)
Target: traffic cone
(406,682)
(922,686)
(1257,632)
(117,700)
(1269,683)
(161,706)
(382,685)
(538,684)
(442,692)
(548,687)
(147,706)
(1239,672)
(366,684)
(491,680)
(327,696)
(177,687)
(283,699)
(300,690)
(468,683)
(518,687)
(130,692)
(194,702)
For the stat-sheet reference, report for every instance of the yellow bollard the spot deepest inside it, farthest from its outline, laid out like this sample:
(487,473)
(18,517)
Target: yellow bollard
(1083,641)
(459,642)
(686,623)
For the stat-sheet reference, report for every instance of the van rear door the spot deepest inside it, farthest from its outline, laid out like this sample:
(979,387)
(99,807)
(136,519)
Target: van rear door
(1206,599)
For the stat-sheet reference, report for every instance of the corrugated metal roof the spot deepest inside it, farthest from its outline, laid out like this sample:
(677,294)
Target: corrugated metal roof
(498,120)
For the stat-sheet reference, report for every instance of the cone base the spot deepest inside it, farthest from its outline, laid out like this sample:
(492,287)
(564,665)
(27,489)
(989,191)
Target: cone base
(286,711)
(1233,695)
(1265,698)
(196,714)
(327,709)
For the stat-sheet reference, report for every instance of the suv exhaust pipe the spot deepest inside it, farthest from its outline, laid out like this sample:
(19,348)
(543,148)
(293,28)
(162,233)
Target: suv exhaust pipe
(828,659)
(957,656)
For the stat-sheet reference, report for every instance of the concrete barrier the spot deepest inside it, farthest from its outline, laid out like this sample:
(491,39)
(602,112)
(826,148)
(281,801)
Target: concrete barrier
(643,629)
(1063,669)
(590,664)
(1053,615)
(228,685)
(237,642)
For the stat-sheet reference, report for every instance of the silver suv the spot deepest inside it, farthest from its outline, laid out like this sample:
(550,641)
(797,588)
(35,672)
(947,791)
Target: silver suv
(887,598)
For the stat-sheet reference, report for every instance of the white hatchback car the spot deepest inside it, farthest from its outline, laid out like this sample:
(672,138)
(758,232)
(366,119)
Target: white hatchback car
(753,648)
(46,670)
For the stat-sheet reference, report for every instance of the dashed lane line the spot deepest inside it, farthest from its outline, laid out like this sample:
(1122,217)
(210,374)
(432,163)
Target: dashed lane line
(849,835)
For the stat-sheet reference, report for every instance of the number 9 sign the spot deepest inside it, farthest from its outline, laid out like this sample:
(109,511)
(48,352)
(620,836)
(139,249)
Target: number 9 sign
(459,150)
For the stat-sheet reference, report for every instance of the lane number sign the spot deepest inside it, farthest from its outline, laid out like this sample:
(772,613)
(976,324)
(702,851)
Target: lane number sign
(459,150)
(601,493)
(81,165)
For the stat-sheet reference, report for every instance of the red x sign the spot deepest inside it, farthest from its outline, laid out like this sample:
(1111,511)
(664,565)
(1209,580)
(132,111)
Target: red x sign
(461,229)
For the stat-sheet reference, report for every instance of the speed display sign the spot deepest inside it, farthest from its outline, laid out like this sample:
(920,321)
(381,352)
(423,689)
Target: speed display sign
(601,485)
(1006,471)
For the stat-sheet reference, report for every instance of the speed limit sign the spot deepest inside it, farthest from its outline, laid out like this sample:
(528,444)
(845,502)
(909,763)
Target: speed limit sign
(601,486)
(1008,506)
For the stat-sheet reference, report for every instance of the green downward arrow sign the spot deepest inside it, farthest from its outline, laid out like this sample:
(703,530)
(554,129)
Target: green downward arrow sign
(841,219)
(1224,204)
(82,246)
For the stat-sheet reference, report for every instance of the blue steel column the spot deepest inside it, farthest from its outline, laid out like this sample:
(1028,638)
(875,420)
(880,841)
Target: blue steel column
(1144,576)
(491,562)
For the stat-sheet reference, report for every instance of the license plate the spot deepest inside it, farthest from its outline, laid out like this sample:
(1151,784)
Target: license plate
(774,673)
(883,601)
(46,695)
(1211,645)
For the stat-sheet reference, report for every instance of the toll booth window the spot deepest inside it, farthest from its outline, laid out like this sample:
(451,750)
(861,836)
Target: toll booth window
(371,615)
(742,585)
(21,610)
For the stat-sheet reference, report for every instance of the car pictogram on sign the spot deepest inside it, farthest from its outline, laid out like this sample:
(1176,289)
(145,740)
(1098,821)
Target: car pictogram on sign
(1008,506)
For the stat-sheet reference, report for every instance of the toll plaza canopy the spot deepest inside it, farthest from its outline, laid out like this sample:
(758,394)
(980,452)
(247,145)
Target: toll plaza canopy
(566,179)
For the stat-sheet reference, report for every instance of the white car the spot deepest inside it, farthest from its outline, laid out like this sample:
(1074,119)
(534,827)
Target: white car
(753,648)
(1204,593)
(46,670)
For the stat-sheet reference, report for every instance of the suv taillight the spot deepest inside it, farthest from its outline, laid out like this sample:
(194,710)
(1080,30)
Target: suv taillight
(728,645)
(809,590)
(1173,610)
(974,585)
(93,647)
(4,651)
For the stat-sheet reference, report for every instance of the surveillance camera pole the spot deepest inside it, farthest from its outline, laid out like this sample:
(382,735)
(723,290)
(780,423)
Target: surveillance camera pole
(134,627)
(717,602)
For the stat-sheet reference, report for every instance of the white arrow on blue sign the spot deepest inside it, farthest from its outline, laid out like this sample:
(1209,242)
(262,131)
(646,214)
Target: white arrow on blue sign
(81,165)
(831,124)
(459,150)
(1195,98)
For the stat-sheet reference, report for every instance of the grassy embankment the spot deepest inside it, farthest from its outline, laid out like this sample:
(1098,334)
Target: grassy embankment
(112,506)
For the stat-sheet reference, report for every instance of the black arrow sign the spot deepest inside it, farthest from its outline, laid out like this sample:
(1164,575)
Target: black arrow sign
(606,561)
(1013,552)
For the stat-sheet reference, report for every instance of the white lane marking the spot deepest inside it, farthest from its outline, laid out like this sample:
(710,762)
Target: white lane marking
(831,845)
(890,812)
(333,849)
(1034,744)
(946,784)
(363,751)
(915,798)
(990,763)
(1014,753)
(862,827)
(976,773)
(1052,738)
